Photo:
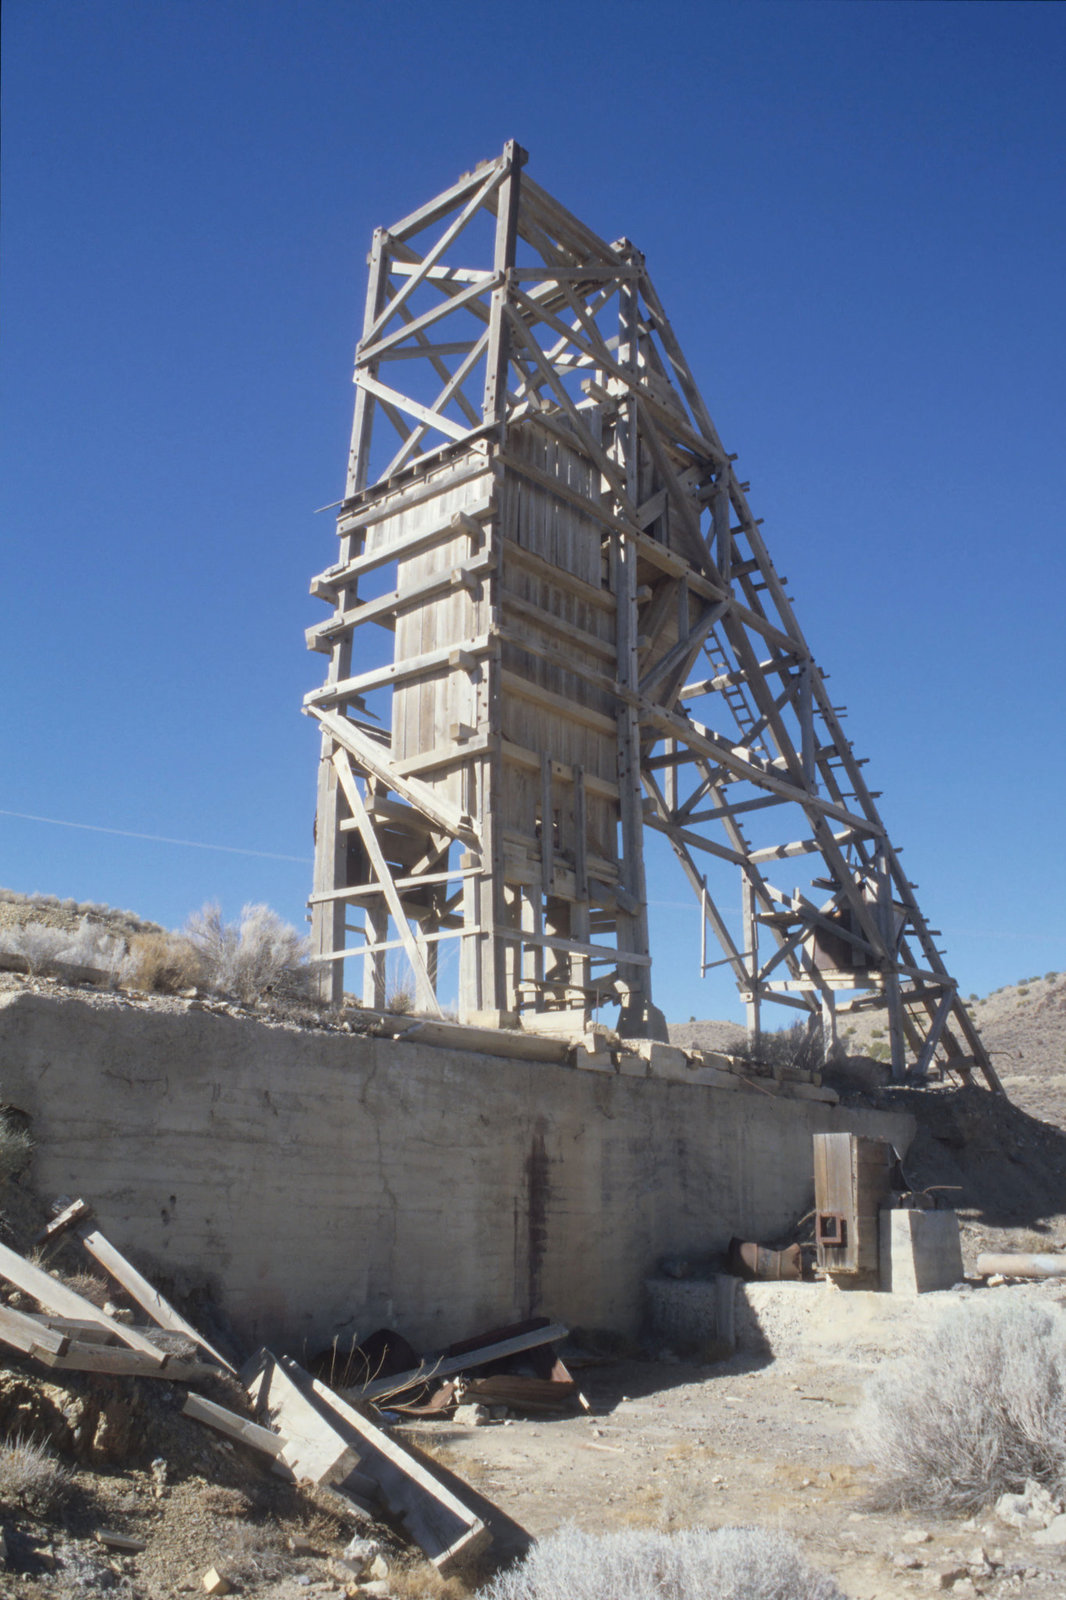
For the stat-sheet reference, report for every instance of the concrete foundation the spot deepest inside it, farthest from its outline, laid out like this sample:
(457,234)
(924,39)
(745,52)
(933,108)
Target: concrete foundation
(920,1251)
(322,1184)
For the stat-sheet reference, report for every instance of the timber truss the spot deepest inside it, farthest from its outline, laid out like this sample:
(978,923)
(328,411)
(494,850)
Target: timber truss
(584,637)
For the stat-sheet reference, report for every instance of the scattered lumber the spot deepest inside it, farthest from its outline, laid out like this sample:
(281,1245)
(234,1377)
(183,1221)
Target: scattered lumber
(148,1298)
(445,1529)
(123,1362)
(76,1211)
(119,1541)
(235,1427)
(56,1297)
(462,1358)
(338,1444)
(519,1392)
(311,1447)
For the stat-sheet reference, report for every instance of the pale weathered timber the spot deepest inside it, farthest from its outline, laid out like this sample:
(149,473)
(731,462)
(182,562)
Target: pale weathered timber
(569,580)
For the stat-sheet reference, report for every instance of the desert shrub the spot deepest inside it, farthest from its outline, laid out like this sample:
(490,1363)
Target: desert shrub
(972,1415)
(39,945)
(16,1148)
(161,963)
(31,1479)
(798,1046)
(93,946)
(259,955)
(695,1564)
(1049,975)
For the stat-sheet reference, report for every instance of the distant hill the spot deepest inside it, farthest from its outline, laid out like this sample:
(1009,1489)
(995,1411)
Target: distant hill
(1023,1026)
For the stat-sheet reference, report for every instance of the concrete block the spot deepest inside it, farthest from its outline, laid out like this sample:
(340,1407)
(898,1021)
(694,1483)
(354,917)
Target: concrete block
(714,1078)
(693,1316)
(711,1058)
(920,1251)
(591,1060)
(630,1065)
(811,1091)
(568,1024)
(664,1060)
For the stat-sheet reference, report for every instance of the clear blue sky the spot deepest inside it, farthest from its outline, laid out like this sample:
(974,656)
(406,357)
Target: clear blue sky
(855,215)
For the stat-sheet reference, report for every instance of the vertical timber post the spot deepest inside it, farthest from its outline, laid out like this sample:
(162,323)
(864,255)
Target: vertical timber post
(329,918)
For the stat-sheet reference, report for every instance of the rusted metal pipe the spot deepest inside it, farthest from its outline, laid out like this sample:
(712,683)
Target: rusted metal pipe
(1022,1266)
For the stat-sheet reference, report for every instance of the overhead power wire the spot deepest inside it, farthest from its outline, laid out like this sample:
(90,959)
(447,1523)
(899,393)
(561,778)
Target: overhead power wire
(156,838)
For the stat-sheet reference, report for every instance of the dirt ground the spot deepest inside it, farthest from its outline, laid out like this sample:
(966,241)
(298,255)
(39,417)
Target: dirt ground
(745,1442)
(751,1440)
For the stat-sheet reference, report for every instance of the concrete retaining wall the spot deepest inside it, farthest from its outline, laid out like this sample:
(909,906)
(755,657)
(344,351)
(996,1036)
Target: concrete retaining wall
(324,1183)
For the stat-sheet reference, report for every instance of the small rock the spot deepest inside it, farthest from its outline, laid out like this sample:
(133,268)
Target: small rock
(360,1554)
(471,1416)
(379,1587)
(948,1577)
(904,1561)
(963,1586)
(299,1545)
(216,1582)
(379,1567)
(995,1280)
(1054,1533)
(917,1536)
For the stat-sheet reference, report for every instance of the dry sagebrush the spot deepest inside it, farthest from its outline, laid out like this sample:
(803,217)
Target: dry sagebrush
(973,1414)
(260,955)
(696,1564)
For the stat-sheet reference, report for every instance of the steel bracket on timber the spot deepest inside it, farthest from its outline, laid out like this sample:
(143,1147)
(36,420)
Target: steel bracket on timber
(579,634)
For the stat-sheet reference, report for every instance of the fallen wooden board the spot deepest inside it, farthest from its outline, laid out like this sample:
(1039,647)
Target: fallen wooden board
(77,1211)
(124,1362)
(520,1392)
(312,1447)
(446,1366)
(55,1296)
(445,1529)
(146,1296)
(28,1333)
(236,1427)
(118,1541)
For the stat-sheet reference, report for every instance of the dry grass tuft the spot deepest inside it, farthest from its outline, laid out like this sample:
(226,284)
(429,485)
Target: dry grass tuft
(974,1414)
(16,1148)
(31,1479)
(161,963)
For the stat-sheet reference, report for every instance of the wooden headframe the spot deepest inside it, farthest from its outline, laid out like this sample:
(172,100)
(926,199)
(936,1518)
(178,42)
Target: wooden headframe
(583,636)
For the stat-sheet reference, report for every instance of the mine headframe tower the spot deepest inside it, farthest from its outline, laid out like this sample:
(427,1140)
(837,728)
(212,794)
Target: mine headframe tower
(584,637)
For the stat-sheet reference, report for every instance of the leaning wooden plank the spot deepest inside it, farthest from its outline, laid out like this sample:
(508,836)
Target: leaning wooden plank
(147,1297)
(125,1363)
(55,1296)
(237,1427)
(26,1333)
(477,1356)
(76,1211)
(312,1447)
(444,1528)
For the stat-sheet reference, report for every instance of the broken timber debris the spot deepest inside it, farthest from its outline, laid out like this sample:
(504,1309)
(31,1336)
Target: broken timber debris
(462,1359)
(342,1446)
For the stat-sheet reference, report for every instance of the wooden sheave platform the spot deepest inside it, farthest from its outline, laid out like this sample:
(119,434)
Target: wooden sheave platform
(580,634)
